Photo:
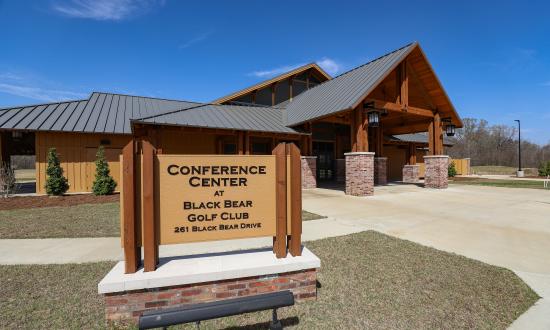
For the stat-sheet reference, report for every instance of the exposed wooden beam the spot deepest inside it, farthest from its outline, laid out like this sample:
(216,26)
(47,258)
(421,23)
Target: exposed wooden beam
(336,120)
(402,85)
(413,127)
(394,107)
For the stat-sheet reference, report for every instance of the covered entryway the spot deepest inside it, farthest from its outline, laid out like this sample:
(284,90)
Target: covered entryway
(325,160)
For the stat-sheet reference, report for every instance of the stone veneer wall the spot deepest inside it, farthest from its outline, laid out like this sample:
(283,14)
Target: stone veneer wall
(309,172)
(411,173)
(436,171)
(360,173)
(380,170)
(340,170)
(126,307)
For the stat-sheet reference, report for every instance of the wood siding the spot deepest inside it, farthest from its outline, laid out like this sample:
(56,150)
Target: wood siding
(77,155)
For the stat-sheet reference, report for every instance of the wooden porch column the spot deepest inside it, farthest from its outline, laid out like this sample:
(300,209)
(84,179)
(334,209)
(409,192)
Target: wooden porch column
(411,154)
(435,136)
(438,134)
(240,143)
(379,142)
(359,135)
(431,140)
(247,143)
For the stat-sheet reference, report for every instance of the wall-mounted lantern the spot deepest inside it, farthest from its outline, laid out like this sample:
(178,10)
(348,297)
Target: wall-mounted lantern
(374,118)
(373,114)
(450,128)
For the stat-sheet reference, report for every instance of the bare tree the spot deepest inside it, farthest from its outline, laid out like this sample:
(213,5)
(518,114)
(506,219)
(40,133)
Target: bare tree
(495,145)
(8,183)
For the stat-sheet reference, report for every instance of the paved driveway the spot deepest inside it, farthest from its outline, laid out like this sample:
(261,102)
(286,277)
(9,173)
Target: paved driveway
(508,227)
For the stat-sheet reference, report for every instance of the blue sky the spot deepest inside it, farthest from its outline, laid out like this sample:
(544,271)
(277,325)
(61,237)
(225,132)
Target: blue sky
(493,57)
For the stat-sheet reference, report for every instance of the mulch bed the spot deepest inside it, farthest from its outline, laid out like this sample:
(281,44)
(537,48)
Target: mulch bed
(25,202)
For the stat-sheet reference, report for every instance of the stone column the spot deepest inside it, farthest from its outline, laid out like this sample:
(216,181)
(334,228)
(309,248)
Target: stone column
(411,173)
(309,172)
(359,173)
(380,168)
(437,168)
(341,170)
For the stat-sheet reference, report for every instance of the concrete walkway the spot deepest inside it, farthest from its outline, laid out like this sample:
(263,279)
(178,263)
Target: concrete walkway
(507,227)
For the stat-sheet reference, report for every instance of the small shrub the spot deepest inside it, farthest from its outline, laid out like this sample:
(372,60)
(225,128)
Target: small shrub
(104,183)
(544,169)
(452,169)
(7,180)
(56,183)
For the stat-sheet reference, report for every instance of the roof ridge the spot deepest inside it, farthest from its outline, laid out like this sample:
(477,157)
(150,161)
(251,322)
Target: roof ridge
(374,60)
(207,104)
(362,65)
(144,97)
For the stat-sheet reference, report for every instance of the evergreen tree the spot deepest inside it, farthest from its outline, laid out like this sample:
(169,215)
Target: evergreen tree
(544,169)
(56,183)
(452,170)
(104,183)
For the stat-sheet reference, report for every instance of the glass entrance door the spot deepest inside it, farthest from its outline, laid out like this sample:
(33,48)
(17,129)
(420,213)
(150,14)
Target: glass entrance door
(325,160)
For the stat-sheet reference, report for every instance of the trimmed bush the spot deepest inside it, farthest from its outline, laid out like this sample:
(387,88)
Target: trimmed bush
(544,169)
(56,183)
(452,169)
(104,183)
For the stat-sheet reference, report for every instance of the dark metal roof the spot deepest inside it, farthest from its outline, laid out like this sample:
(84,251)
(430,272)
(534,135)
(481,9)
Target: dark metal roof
(344,91)
(417,138)
(101,113)
(234,117)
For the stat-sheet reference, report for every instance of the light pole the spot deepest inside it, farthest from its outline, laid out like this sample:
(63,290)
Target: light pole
(520,171)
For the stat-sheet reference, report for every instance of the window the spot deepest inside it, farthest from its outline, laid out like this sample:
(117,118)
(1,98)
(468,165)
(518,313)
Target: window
(282,91)
(261,148)
(229,148)
(246,99)
(263,96)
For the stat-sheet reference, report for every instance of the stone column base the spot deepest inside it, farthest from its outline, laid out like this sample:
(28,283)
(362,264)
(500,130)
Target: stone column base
(437,171)
(309,172)
(360,173)
(411,173)
(380,170)
(340,170)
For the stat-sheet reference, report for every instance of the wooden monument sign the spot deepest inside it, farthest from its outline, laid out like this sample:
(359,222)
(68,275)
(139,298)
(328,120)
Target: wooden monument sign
(171,199)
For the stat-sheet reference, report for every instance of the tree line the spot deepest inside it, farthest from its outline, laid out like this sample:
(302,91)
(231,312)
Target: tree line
(497,145)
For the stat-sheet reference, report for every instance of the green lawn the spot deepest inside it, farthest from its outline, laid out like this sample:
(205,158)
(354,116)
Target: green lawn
(367,281)
(501,170)
(84,220)
(498,183)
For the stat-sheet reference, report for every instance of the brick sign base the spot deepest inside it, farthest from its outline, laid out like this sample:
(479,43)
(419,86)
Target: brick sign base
(126,307)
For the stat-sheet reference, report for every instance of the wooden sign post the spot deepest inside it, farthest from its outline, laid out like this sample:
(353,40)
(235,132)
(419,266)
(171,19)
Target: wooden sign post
(171,199)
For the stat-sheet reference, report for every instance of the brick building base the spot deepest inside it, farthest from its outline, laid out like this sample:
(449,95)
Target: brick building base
(126,307)
(309,172)
(360,173)
(340,170)
(436,175)
(380,170)
(411,173)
